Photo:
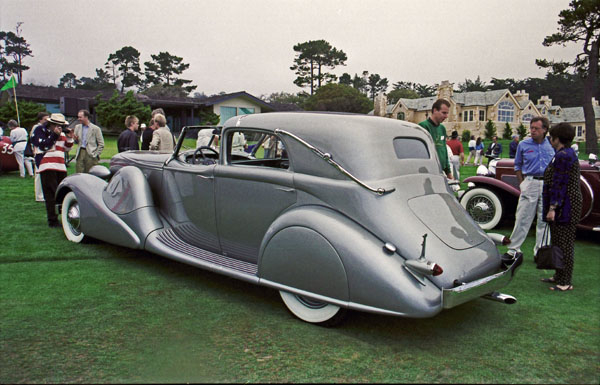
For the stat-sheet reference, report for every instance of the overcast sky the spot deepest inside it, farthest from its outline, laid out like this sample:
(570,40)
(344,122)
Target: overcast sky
(246,45)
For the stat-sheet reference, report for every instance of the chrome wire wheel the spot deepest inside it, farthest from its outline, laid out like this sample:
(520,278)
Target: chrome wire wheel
(483,206)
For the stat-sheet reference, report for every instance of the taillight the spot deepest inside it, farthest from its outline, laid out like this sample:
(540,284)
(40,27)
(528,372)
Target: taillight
(437,269)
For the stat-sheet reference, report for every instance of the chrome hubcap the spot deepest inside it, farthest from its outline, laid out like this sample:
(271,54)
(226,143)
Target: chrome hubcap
(73,218)
(481,209)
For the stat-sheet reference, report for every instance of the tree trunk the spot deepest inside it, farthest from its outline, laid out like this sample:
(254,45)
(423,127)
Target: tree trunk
(591,139)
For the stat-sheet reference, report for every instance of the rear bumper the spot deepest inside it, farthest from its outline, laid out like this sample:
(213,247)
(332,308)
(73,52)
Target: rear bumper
(471,290)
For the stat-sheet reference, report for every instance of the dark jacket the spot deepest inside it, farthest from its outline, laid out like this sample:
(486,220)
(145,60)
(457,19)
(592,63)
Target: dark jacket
(128,140)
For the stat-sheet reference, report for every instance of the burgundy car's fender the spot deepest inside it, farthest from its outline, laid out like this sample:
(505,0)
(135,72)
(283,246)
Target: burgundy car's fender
(482,181)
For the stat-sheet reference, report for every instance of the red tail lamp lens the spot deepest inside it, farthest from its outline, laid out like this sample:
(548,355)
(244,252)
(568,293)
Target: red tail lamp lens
(437,270)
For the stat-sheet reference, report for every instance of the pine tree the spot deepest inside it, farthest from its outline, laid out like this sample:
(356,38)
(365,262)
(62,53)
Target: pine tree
(507,131)
(490,129)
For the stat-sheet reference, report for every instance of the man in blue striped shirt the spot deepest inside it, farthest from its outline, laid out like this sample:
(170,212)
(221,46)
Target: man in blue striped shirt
(533,156)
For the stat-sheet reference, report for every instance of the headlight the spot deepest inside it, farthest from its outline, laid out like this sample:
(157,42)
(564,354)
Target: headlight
(482,171)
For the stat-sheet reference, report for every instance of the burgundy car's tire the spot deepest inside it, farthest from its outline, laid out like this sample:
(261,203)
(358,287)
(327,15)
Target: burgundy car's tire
(312,311)
(71,218)
(484,206)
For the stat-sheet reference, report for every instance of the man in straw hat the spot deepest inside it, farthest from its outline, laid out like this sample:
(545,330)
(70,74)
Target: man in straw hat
(52,143)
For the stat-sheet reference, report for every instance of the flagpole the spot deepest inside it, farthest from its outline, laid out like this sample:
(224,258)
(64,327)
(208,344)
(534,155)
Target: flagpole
(13,84)
(16,105)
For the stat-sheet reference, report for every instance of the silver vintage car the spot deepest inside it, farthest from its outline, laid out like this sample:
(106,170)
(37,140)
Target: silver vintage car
(335,211)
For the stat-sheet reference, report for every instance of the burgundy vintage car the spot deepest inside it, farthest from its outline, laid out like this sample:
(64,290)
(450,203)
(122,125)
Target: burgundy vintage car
(493,194)
(8,162)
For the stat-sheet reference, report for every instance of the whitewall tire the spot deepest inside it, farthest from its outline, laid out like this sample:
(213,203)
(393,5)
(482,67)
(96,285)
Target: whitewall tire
(71,218)
(484,206)
(313,311)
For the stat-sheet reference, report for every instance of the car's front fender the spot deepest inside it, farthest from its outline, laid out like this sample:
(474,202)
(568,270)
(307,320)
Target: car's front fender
(120,212)
(486,181)
(316,250)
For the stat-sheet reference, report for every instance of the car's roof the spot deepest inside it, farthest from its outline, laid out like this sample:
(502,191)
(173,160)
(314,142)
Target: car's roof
(363,144)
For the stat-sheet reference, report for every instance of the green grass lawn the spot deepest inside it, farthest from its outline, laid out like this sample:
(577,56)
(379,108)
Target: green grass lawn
(99,313)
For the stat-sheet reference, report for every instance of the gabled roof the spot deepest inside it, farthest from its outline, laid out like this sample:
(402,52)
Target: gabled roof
(573,115)
(240,94)
(53,94)
(466,99)
(479,98)
(49,94)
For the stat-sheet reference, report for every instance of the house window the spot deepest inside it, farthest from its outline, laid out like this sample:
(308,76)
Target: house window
(245,110)
(481,116)
(228,112)
(401,115)
(465,117)
(506,111)
(471,116)
(527,118)
(579,131)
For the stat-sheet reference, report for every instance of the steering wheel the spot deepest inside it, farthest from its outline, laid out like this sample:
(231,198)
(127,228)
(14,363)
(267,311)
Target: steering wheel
(203,159)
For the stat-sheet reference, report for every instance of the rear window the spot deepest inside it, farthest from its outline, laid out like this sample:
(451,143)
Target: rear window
(410,148)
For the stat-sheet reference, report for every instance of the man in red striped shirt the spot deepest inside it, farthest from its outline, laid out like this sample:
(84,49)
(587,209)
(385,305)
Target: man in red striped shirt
(52,143)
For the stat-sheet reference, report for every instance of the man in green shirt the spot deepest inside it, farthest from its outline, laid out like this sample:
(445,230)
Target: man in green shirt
(433,124)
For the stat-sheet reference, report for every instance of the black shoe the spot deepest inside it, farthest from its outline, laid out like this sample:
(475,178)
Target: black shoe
(54,224)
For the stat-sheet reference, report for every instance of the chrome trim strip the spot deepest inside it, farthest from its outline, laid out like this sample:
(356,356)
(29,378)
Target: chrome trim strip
(328,158)
(591,191)
(333,301)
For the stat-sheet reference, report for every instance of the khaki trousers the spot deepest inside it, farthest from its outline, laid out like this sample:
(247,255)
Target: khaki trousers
(84,161)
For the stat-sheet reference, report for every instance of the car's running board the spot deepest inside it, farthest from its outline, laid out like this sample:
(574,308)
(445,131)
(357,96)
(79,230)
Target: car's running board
(167,243)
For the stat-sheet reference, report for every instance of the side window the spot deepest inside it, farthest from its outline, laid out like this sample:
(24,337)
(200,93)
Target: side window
(410,148)
(254,148)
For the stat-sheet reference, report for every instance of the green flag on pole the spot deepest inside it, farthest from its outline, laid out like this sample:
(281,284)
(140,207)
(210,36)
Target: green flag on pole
(9,84)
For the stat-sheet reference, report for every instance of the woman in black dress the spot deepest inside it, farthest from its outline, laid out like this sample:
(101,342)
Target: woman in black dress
(562,202)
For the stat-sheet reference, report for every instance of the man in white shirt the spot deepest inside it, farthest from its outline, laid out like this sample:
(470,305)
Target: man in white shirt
(18,137)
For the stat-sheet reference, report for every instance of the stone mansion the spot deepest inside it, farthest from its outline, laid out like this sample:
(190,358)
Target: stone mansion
(471,110)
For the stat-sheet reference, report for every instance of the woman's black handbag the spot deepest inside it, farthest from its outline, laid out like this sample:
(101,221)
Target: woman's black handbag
(549,257)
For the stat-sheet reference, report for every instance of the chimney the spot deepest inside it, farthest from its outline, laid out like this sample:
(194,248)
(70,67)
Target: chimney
(521,95)
(380,107)
(445,90)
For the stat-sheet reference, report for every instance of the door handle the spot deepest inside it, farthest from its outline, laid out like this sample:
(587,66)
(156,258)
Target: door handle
(285,189)
(204,177)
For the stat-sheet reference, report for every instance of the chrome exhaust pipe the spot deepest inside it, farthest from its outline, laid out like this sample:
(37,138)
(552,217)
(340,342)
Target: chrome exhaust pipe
(500,297)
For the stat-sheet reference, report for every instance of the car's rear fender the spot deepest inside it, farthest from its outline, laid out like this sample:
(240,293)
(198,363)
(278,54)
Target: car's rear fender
(315,250)
(121,211)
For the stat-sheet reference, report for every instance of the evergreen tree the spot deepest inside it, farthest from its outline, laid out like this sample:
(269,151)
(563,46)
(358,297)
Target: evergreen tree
(580,24)
(490,129)
(27,112)
(340,98)
(376,84)
(13,49)
(507,134)
(164,68)
(522,131)
(312,58)
(127,62)
(112,113)
(69,80)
